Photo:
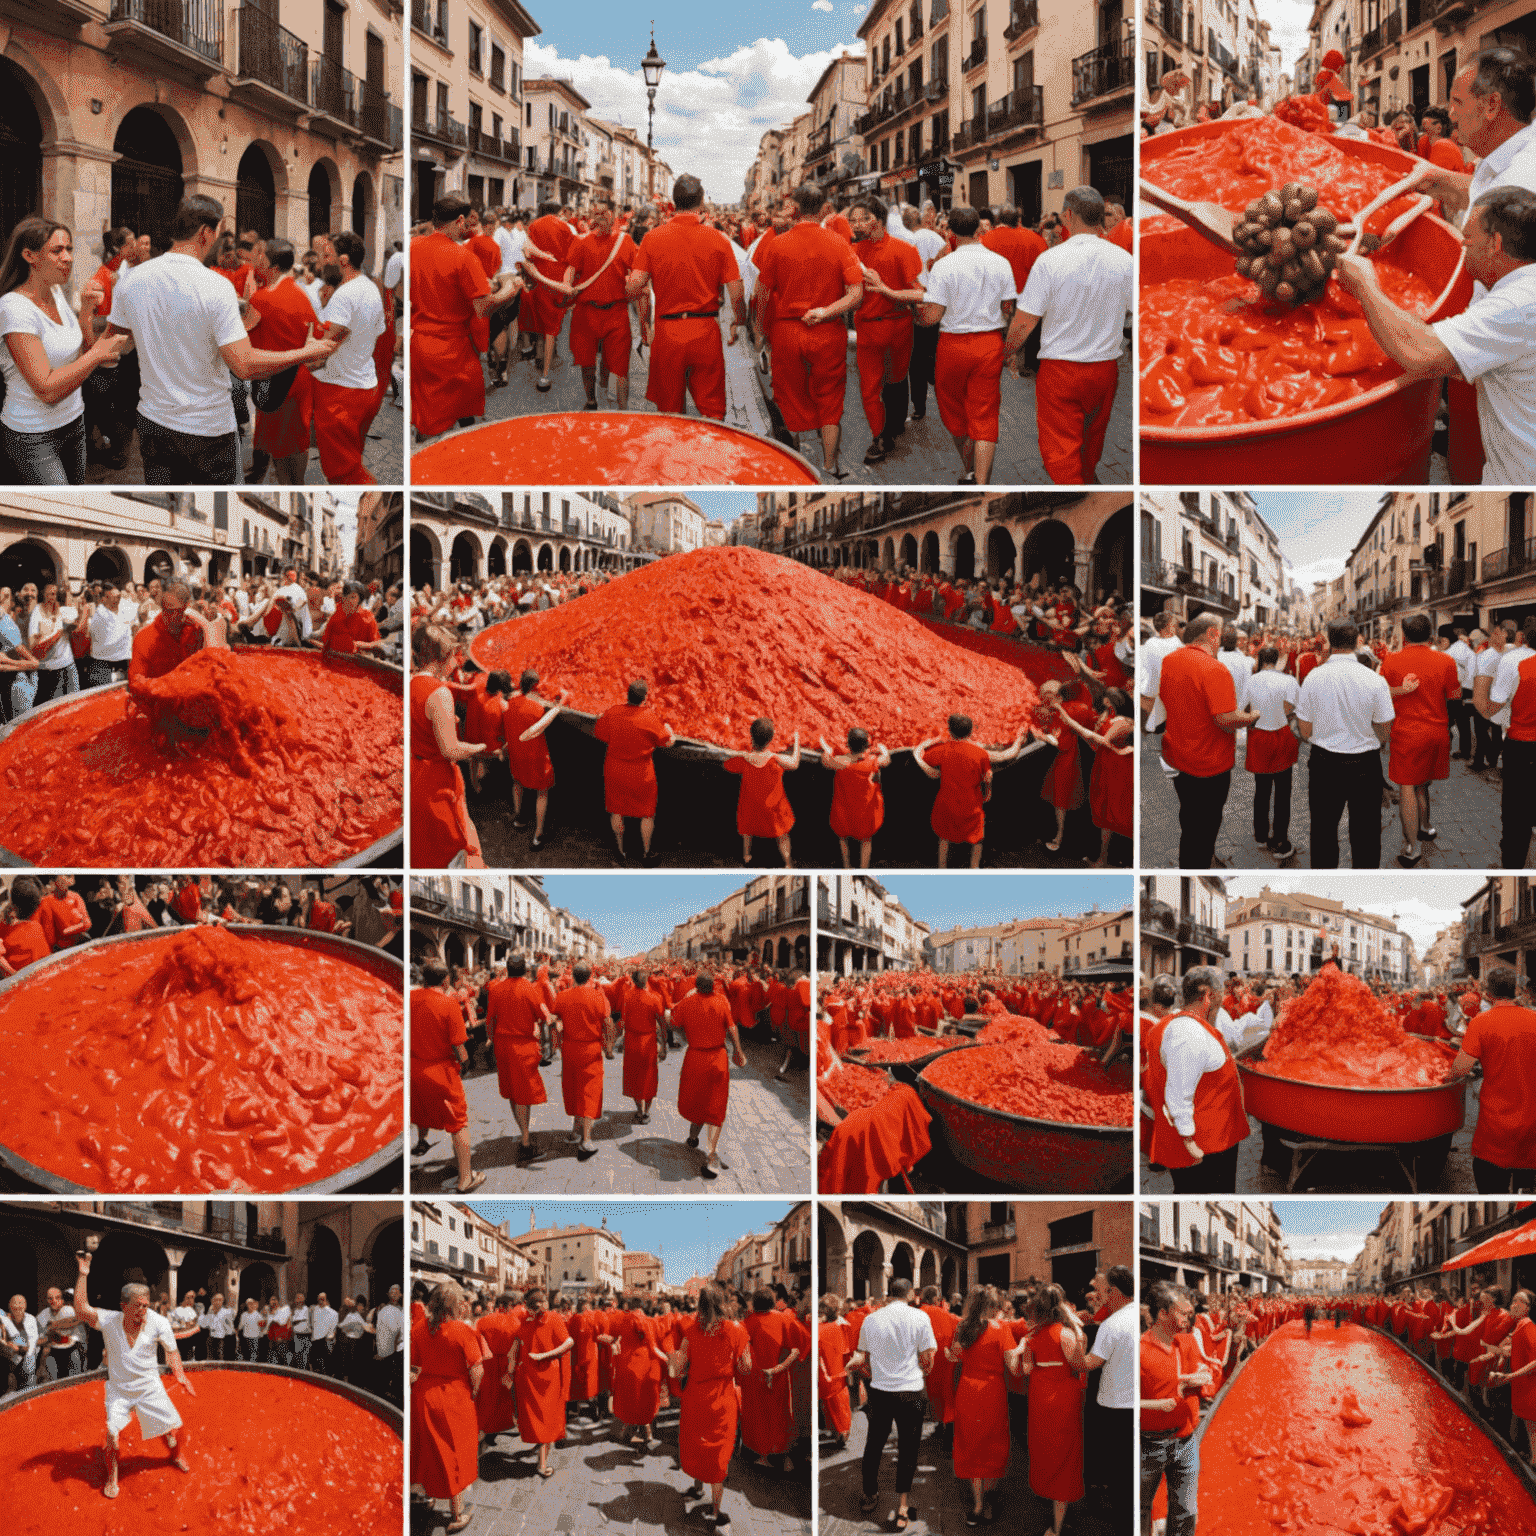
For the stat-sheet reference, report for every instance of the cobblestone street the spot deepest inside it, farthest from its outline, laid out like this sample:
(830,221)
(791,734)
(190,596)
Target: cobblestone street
(764,1147)
(602,1486)
(1465,809)
(924,455)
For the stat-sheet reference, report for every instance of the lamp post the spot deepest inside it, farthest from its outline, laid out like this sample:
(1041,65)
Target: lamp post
(651,67)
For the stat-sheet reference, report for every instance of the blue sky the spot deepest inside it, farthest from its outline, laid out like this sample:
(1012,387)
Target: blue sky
(635,912)
(687,1236)
(732,72)
(983,899)
(726,505)
(1317,529)
(1327,1229)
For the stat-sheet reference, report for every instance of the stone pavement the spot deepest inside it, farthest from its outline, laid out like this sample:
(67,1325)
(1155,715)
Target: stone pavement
(940,1499)
(765,1145)
(602,1487)
(925,454)
(1465,809)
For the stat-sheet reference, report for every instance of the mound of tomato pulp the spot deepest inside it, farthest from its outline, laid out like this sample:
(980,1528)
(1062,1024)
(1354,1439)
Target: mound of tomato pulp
(302,765)
(853,1087)
(907,1050)
(1041,1080)
(1338,1033)
(270,1456)
(725,635)
(1343,1432)
(201,1060)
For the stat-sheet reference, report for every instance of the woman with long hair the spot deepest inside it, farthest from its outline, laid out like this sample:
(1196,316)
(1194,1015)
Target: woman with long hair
(45,358)
(446,1370)
(1064,706)
(982,1348)
(1054,1358)
(638,1362)
(440,824)
(712,1354)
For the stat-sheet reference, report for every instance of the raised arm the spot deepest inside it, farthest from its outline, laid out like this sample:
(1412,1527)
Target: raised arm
(542,724)
(83,1308)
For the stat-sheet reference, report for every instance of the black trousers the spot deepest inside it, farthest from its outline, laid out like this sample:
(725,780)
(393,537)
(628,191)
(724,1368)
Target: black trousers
(1278,785)
(1461,713)
(1519,802)
(905,1411)
(1201,802)
(1490,741)
(1491,1179)
(925,348)
(1215,1174)
(1118,1437)
(1336,780)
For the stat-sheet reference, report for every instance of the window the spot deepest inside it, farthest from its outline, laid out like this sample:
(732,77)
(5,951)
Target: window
(1071,1231)
(476,42)
(453,1225)
(498,65)
(432,1246)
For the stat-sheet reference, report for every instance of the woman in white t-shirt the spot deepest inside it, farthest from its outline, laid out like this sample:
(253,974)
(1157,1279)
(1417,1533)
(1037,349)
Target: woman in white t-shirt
(250,1328)
(44,359)
(48,630)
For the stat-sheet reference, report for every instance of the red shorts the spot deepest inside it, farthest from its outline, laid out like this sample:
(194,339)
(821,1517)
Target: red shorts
(1072,409)
(687,357)
(967,381)
(884,356)
(286,430)
(1271,751)
(810,370)
(540,314)
(341,418)
(605,330)
(1419,755)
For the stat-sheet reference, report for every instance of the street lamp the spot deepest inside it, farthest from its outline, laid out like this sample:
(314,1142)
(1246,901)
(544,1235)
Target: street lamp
(651,67)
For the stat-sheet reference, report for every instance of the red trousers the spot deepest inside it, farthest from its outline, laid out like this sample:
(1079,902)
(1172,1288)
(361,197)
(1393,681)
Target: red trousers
(541,313)
(967,380)
(810,372)
(687,356)
(1466,445)
(286,430)
(1072,406)
(601,330)
(884,355)
(341,416)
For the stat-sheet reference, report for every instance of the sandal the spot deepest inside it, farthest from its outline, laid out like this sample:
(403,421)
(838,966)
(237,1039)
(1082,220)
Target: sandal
(472,1186)
(460,1523)
(546,1471)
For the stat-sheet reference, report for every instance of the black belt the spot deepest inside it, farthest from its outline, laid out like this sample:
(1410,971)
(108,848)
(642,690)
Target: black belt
(592,305)
(692,314)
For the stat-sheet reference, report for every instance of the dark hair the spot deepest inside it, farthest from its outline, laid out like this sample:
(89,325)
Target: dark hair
(1007,215)
(1161,1295)
(1439,115)
(528,681)
(1087,204)
(498,682)
(194,214)
(1120,1278)
(1268,656)
(1510,75)
(964,221)
(451,206)
(434,973)
(808,199)
(687,193)
(1510,213)
(26,896)
(1416,628)
(959,726)
(638,691)
(858,739)
(1342,635)
(762,732)
(1165,991)
(279,254)
(1198,979)
(1500,982)
(517,965)
(32,234)
(704,984)
(349,243)
(581,972)
(113,240)
(872,205)
(974,1323)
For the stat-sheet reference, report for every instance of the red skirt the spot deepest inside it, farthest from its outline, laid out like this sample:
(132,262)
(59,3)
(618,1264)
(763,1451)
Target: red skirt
(581,1081)
(437,1099)
(1063,786)
(447,382)
(640,1071)
(1271,751)
(445,1437)
(704,1087)
(517,1071)
(440,826)
(629,786)
(1419,754)
(1112,793)
(706,1429)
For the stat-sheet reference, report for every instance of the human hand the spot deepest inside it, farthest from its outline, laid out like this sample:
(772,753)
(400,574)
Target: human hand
(82,1261)
(91,295)
(1411,682)
(110,346)
(188,1385)
(813,316)
(1356,274)
(730,340)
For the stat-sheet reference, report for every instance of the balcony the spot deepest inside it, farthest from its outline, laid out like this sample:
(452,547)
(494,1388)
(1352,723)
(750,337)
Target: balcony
(430,18)
(1169,16)
(1394,27)
(489,147)
(1449,15)
(1521,932)
(441,128)
(976,57)
(1017,111)
(939,12)
(188,34)
(1509,562)
(1158,918)
(1106,72)
(271,64)
(1370,44)
(1024,17)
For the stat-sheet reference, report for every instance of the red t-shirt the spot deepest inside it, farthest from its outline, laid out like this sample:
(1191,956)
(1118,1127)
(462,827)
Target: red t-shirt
(23,942)
(587,256)
(1522,707)
(1504,1040)
(437,1025)
(1425,708)
(1161,1367)
(1020,248)
(1194,688)
(688,265)
(899,266)
(345,630)
(807,267)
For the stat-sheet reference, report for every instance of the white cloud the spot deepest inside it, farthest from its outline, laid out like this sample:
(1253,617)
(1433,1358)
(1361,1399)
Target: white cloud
(822,5)
(1325,1245)
(709,120)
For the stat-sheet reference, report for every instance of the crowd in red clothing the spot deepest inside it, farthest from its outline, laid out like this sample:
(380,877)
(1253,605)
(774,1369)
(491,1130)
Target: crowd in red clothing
(736,1366)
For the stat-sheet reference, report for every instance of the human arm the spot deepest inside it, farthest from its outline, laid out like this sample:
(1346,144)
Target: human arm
(173,1359)
(503,287)
(853,296)
(1410,342)
(874,283)
(83,1308)
(921,761)
(445,729)
(547,719)
(736,292)
(929,313)
(791,760)
(51,384)
(737,1054)
(1018,333)
(248,362)
(1008,753)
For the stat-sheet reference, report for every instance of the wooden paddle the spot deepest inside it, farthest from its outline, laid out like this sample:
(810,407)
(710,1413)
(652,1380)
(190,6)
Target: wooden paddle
(1209,220)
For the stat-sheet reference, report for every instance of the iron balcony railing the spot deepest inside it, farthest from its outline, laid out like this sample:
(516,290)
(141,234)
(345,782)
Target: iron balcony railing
(1370,44)
(195,24)
(271,54)
(1508,562)
(508,147)
(431,17)
(1025,14)
(1105,70)
(439,126)
(1021,108)
(978,54)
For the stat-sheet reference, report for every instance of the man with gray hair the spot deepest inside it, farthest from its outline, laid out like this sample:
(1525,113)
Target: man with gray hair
(133,1373)
(1079,293)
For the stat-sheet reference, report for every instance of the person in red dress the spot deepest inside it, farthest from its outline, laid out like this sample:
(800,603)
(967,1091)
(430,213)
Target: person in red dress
(1112,787)
(437,1053)
(713,1354)
(523,724)
(586,1040)
(440,824)
(632,733)
(538,1369)
(983,1348)
(482,246)
(495,1405)
(1424,683)
(762,808)
(514,1008)
(832,1375)
(447,1370)
(351,628)
(1070,714)
(940,1381)
(858,804)
(964,772)
(285,319)
(767,1419)
(22,940)
(584,1325)
(1053,1358)
(1518,1370)
(644,1019)
(704,1084)
(543,310)
(638,1365)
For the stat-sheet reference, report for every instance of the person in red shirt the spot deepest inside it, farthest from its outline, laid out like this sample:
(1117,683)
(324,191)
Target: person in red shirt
(596,274)
(174,634)
(858,804)
(1424,683)
(1518,1372)
(704,1084)
(63,916)
(1172,1374)
(550,239)
(686,265)
(883,322)
(632,733)
(1020,247)
(964,772)
(585,1041)
(814,278)
(351,627)
(762,807)
(437,1056)
(1200,698)
(1514,685)
(523,725)
(1503,1040)
(22,940)
(515,1009)
(480,244)
(285,320)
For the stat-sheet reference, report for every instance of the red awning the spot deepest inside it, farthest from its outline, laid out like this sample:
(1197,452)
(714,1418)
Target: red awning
(1515,1244)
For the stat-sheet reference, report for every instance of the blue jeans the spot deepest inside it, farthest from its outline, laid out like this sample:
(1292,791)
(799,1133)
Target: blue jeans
(55,457)
(1179,1460)
(180,458)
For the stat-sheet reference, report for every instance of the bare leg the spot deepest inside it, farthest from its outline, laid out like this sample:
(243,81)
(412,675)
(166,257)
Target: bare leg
(975,855)
(584,1125)
(111,1486)
(943,854)
(523,1114)
(1059,1509)
(1103,859)
(178,1457)
(984,454)
(1408,813)
(784,851)
(540,806)
(589,383)
(864,851)
(647,826)
(842,843)
(830,438)
(291,470)
(517,803)
(622,390)
(967,451)
(617,823)
(746,847)
(1424,818)
(461,1151)
(714,1142)
(716,1493)
(1061,825)
(978,1491)
(549,354)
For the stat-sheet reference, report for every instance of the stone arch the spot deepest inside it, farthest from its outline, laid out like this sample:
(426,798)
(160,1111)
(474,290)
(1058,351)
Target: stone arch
(903,1262)
(928,1270)
(21,149)
(496,557)
(454,951)
(867,1274)
(322,1265)
(261,186)
(929,560)
(157,158)
(159,563)
(127,1258)
(565,557)
(546,560)
(1112,554)
(258,1281)
(1001,551)
(522,557)
(464,557)
(426,556)
(33,1256)
(108,563)
(30,559)
(949,1276)
(384,1255)
(324,192)
(888,554)
(909,550)
(962,551)
(1050,549)
(364,206)
(832,1251)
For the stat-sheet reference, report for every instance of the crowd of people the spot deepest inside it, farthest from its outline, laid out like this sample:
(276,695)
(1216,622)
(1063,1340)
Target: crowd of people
(39,918)
(529,1363)
(940,299)
(70,636)
(1193,1026)
(524,1015)
(207,347)
(997,1372)
(1205,684)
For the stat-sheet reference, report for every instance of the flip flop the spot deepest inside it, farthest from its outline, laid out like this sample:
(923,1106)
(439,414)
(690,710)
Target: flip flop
(474,1184)
(546,1471)
(460,1523)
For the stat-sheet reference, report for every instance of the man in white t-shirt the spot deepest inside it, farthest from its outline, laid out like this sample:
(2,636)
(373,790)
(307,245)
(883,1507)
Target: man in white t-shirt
(111,640)
(1465,658)
(1116,1355)
(925,338)
(388,1347)
(19,1340)
(221,1329)
(897,1345)
(323,1319)
(1079,293)
(970,299)
(187,327)
(1166,640)
(64,1334)
(346,386)
(133,1371)
(1489,732)
(298,1320)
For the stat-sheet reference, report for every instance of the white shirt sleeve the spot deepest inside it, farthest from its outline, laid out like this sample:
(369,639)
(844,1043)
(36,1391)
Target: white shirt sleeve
(1489,333)
(1383,709)
(228,327)
(1188,1053)
(1035,295)
(1506,680)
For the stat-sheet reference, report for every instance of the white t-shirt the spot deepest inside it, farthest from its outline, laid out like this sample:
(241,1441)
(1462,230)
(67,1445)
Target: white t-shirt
(221,1324)
(251,1325)
(893,1337)
(24,412)
(930,245)
(322,1321)
(1506,680)
(111,633)
(389,1330)
(22,1336)
(301,1320)
(354,1325)
(135,1370)
(60,653)
(394,269)
(509,248)
(311,291)
(1188,1052)
(1118,1345)
(1151,680)
(1494,343)
(972,283)
(1081,289)
(1464,656)
(357,306)
(1239,665)
(65,1316)
(1341,700)
(180,314)
(1268,692)
(182,1319)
